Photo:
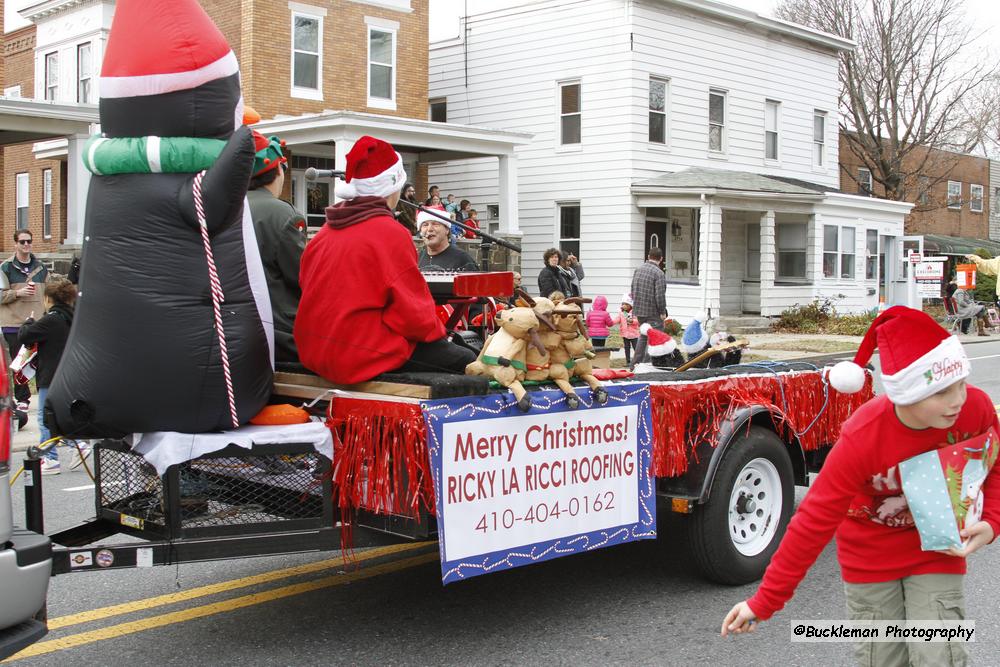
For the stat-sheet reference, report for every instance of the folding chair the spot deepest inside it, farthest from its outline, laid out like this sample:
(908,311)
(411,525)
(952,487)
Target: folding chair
(951,319)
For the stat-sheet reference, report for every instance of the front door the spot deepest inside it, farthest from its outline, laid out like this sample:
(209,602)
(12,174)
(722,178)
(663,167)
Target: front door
(656,236)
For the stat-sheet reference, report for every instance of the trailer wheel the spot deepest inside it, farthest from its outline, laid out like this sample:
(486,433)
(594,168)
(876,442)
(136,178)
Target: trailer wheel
(735,533)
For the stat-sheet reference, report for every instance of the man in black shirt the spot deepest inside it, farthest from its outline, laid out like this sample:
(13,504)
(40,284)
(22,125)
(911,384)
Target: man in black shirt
(438,254)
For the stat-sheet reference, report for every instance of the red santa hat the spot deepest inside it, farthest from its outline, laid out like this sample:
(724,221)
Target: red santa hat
(918,357)
(374,169)
(184,51)
(658,343)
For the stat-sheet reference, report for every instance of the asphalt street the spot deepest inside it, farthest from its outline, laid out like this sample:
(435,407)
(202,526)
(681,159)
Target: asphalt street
(641,603)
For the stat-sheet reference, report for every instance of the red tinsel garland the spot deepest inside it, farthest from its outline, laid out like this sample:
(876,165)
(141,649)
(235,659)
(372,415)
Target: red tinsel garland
(380,447)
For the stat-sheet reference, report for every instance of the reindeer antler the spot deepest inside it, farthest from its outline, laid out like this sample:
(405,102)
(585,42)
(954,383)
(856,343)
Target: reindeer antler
(525,297)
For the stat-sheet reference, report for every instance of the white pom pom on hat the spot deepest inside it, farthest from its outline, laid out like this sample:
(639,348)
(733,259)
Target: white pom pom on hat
(918,358)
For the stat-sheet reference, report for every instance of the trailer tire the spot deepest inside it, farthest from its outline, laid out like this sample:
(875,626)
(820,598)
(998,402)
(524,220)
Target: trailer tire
(734,534)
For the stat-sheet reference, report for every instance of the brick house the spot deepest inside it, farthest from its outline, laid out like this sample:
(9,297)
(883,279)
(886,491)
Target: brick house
(321,73)
(952,199)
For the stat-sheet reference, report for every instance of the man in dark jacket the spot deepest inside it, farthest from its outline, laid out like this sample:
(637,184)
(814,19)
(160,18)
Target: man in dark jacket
(649,297)
(280,231)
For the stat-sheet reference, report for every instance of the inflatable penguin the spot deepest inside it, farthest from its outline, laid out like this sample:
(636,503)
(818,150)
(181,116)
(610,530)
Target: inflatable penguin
(172,330)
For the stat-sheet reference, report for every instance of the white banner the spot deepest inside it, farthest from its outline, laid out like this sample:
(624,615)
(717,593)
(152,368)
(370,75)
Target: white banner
(514,481)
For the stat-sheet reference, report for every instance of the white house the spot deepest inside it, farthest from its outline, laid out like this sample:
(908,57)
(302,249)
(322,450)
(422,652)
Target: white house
(704,129)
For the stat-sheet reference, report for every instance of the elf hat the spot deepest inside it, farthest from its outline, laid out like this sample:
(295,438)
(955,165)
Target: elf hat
(695,337)
(918,357)
(268,153)
(659,344)
(374,169)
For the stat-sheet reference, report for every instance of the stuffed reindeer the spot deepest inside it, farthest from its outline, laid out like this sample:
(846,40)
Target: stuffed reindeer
(504,354)
(575,350)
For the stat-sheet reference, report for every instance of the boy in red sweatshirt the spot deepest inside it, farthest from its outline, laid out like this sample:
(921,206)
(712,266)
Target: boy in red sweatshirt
(858,494)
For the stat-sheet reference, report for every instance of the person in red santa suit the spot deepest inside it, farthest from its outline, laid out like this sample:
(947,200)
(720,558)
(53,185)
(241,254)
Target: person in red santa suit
(887,577)
(365,307)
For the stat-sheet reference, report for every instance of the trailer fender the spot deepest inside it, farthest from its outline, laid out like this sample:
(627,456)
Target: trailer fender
(696,484)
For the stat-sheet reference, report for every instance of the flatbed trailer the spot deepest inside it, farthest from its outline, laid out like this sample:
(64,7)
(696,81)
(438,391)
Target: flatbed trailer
(729,446)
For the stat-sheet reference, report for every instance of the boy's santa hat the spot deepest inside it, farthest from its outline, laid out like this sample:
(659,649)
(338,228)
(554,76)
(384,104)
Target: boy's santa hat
(374,169)
(695,336)
(659,344)
(918,357)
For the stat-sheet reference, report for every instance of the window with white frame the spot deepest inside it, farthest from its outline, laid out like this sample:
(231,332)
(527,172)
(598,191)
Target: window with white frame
(21,200)
(976,198)
(819,138)
(569,113)
(717,120)
(438,110)
(51,76)
(838,252)
(864,181)
(753,251)
(772,110)
(955,194)
(84,73)
(381,64)
(791,239)
(871,254)
(923,190)
(995,204)
(657,110)
(47,203)
(569,228)
(12,91)
(307,54)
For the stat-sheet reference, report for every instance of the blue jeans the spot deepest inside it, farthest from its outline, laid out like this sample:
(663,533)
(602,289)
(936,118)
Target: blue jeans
(43,432)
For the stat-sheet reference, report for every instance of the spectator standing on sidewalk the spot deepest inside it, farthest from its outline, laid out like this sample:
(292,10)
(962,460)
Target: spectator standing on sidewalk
(628,326)
(573,270)
(649,299)
(21,284)
(552,278)
(50,334)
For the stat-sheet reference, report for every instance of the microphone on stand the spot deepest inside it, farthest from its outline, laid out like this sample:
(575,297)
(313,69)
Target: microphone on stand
(313,174)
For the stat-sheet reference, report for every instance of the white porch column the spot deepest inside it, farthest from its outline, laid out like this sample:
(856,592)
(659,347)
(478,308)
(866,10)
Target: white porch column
(768,259)
(508,194)
(343,143)
(710,263)
(77,187)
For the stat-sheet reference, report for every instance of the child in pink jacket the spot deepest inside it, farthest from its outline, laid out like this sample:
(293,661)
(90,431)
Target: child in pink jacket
(598,321)
(628,325)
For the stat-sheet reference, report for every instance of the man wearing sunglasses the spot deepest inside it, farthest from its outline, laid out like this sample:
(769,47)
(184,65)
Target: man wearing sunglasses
(22,281)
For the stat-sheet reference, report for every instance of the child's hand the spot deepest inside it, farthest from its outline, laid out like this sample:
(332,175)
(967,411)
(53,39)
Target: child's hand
(981,534)
(740,619)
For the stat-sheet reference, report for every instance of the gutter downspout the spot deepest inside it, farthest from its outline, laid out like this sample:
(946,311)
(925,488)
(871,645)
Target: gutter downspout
(706,308)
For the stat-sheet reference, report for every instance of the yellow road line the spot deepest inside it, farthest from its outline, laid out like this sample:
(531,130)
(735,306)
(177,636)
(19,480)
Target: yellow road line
(221,587)
(132,627)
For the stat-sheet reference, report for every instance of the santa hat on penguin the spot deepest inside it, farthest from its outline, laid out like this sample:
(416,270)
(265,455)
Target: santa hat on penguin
(918,357)
(659,344)
(374,169)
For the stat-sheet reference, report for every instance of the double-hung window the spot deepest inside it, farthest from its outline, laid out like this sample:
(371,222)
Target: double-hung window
(976,198)
(792,241)
(569,228)
(838,252)
(21,200)
(772,110)
(864,181)
(871,254)
(47,203)
(381,62)
(819,138)
(954,194)
(717,121)
(307,53)
(657,110)
(51,76)
(84,73)
(569,113)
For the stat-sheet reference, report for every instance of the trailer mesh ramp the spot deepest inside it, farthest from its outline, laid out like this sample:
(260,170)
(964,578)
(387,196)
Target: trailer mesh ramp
(219,492)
